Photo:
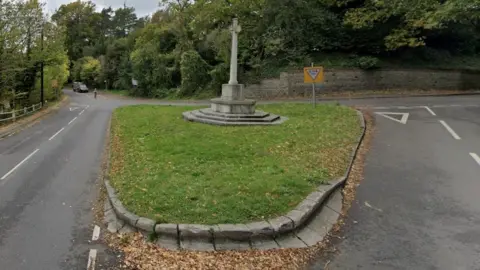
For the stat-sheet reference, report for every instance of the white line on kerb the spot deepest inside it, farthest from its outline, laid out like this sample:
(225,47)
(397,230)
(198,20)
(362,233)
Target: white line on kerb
(55,135)
(476,157)
(430,111)
(449,129)
(92,256)
(72,120)
(19,164)
(81,112)
(96,233)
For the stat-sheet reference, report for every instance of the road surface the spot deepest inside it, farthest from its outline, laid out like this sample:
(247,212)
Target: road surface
(421,182)
(418,205)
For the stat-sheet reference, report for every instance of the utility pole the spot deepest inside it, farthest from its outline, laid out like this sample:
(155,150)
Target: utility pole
(41,69)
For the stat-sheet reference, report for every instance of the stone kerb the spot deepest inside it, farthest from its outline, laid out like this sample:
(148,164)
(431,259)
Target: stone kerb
(233,236)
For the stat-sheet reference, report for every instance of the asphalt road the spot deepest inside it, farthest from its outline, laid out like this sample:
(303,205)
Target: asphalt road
(418,206)
(46,217)
(420,183)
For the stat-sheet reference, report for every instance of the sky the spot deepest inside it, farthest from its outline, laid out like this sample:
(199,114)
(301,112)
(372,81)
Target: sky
(142,7)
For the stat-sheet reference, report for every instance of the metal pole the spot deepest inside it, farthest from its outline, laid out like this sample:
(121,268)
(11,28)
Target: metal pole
(41,71)
(314,94)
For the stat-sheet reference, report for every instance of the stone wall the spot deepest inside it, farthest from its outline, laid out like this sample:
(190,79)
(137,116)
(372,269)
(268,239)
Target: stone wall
(291,84)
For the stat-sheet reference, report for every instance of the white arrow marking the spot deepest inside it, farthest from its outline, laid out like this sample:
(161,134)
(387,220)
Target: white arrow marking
(401,121)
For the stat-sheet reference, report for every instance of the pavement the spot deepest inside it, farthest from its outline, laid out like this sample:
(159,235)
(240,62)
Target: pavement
(418,205)
(416,209)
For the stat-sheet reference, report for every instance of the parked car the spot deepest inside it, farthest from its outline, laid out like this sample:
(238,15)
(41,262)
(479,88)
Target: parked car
(83,88)
(76,86)
(79,87)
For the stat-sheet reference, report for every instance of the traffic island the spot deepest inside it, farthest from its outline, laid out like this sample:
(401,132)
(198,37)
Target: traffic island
(202,187)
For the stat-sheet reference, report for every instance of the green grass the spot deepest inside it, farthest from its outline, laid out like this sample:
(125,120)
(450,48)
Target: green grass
(174,171)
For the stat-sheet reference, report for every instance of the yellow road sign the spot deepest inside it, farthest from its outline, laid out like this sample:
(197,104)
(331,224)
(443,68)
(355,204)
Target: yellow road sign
(313,74)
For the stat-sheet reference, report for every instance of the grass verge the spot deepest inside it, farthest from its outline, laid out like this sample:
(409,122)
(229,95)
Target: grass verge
(174,171)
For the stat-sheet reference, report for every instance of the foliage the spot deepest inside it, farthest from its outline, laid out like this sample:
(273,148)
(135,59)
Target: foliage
(153,62)
(219,75)
(22,50)
(277,35)
(367,62)
(90,71)
(195,73)
(81,23)
(170,170)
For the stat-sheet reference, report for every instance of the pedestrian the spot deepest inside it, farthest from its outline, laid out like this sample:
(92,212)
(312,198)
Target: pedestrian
(95,93)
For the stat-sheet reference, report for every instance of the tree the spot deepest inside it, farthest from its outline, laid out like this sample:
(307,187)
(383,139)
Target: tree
(81,21)
(91,71)
(124,21)
(22,23)
(411,17)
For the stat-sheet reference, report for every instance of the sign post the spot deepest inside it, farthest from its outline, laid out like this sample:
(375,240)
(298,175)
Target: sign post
(313,75)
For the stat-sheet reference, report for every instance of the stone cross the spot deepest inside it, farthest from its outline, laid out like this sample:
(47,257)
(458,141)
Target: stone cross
(235,29)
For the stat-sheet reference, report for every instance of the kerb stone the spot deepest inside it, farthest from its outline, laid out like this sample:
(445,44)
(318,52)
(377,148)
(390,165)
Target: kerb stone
(227,244)
(290,241)
(196,244)
(238,232)
(281,225)
(261,229)
(195,231)
(311,237)
(167,229)
(264,244)
(145,224)
(167,242)
(298,217)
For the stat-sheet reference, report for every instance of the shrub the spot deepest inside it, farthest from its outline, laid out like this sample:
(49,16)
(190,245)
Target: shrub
(195,73)
(367,62)
(219,75)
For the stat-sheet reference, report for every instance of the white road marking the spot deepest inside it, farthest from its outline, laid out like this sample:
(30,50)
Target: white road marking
(92,256)
(72,120)
(88,106)
(402,121)
(81,112)
(476,157)
(96,233)
(55,135)
(430,111)
(19,164)
(449,129)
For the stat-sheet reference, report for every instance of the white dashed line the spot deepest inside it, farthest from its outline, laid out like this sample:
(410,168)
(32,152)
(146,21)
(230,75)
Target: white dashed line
(72,120)
(92,256)
(96,233)
(88,106)
(55,135)
(430,111)
(19,164)
(475,157)
(81,112)
(449,129)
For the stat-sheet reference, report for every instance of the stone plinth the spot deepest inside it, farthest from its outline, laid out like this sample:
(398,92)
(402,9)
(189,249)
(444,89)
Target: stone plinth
(232,91)
(209,116)
(246,106)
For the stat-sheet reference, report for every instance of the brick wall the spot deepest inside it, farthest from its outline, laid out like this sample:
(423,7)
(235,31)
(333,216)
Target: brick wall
(291,84)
